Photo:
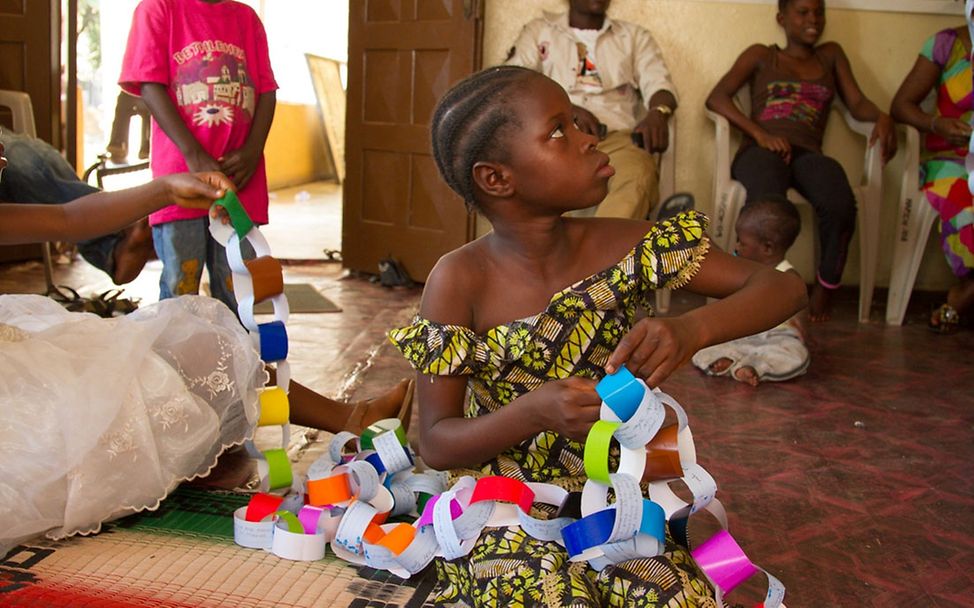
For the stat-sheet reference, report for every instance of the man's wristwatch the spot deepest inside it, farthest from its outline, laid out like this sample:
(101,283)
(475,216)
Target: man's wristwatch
(663,109)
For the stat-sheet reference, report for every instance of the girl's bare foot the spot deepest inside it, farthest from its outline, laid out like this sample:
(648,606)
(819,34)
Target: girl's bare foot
(820,304)
(132,251)
(961,296)
(747,375)
(312,409)
(720,366)
(397,403)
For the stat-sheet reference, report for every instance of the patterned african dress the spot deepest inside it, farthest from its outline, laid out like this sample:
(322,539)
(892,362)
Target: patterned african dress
(943,174)
(573,336)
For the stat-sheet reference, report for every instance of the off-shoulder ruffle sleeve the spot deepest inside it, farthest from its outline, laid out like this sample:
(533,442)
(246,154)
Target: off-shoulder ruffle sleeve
(671,252)
(440,350)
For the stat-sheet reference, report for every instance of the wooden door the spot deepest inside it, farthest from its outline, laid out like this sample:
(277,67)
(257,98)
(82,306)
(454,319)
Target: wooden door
(30,59)
(403,55)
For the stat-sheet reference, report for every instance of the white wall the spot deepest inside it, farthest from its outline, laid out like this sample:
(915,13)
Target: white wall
(700,41)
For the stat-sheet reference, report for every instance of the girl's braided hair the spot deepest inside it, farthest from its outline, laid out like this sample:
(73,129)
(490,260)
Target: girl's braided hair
(468,121)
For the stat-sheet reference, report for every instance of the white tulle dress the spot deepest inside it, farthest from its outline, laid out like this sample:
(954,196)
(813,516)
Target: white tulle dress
(101,418)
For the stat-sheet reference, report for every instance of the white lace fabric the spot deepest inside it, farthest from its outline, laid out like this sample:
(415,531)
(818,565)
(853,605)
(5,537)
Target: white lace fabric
(100,418)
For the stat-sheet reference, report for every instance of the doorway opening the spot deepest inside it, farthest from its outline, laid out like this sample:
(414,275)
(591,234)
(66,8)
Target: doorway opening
(304,170)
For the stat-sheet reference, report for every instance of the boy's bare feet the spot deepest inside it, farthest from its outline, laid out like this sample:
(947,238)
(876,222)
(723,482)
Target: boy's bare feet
(747,375)
(720,366)
(132,251)
(820,304)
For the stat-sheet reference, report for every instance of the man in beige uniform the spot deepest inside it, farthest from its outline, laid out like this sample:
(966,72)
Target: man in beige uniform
(616,78)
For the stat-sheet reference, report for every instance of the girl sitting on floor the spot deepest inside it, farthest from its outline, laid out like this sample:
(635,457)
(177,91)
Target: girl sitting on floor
(517,327)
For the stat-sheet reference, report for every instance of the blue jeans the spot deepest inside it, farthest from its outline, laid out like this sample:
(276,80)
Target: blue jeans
(37,173)
(185,246)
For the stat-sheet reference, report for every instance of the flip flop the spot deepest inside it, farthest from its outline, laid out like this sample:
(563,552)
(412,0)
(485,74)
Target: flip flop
(674,205)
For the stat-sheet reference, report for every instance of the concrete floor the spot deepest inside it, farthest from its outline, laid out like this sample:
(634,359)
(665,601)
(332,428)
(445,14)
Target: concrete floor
(853,484)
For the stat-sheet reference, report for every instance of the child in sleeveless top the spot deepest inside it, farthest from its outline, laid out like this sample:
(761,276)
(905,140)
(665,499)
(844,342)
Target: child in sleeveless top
(765,230)
(791,93)
(516,328)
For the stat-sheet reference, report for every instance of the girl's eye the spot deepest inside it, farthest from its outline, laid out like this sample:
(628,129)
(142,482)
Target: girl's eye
(557,133)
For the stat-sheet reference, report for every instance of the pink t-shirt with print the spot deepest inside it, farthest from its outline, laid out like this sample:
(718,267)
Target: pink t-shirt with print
(213,58)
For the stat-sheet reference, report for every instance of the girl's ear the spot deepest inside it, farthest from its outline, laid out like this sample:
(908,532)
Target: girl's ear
(780,18)
(494,179)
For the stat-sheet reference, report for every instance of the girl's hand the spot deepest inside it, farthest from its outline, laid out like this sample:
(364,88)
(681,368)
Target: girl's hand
(240,165)
(954,130)
(778,145)
(200,162)
(654,348)
(196,190)
(886,134)
(569,406)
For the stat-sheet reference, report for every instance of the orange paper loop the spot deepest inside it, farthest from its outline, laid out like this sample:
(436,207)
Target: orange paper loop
(267,276)
(663,456)
(398,538)
(373,533)
(329,491)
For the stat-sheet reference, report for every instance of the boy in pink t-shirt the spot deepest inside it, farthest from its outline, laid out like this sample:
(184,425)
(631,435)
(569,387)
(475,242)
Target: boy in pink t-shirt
(203,69)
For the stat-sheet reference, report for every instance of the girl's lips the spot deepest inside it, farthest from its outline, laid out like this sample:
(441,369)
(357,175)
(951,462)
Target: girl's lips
(605,170)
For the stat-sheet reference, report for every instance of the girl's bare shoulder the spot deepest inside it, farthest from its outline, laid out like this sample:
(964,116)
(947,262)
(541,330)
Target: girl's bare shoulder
(830,51)
(612,238)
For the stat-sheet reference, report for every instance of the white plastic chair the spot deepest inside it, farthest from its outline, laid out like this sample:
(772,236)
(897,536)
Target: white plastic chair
(23,122)
(667,187)
(729,194)
(916,218)
(23,115)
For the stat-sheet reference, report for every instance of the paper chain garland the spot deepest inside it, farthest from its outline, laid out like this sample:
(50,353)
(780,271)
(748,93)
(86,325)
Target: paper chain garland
(254,281)
(347,498)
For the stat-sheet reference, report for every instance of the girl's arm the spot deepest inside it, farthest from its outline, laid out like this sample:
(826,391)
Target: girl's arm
(105,212)
(164,112)
(755,297)
(721,100)
(239,165)
(447,439)
(915,88)
(859,105)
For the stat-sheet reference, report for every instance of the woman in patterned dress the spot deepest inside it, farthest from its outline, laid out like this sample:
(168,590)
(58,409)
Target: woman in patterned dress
(516,328)
(944,65)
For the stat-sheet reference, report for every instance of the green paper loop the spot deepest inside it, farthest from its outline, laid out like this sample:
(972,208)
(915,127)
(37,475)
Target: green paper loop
(279,469)
(293,523)
(597,450)
(241,222)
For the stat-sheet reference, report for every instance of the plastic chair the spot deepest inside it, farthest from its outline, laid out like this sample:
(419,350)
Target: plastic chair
(667,186)
(916,218)
(23,122)
(729,194)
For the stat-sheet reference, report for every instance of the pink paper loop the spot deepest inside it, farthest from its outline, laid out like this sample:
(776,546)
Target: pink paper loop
(309,516)
(426,519)
(723,561)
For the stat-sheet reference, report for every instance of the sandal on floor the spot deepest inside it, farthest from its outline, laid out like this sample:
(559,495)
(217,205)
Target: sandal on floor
(67,297)
(944,320)
(109,304)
